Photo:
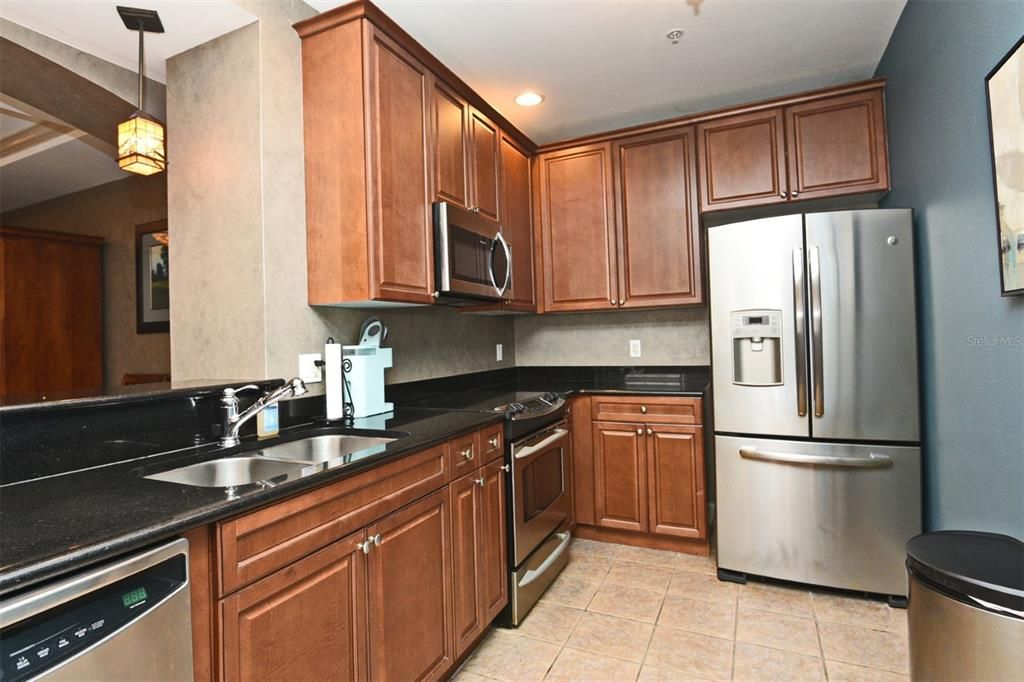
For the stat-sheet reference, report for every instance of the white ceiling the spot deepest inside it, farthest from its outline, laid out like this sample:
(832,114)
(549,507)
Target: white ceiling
(607,64)
(94,26)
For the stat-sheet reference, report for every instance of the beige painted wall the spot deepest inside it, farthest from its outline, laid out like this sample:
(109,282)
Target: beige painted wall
(112,211)
(236,204)
(678,336)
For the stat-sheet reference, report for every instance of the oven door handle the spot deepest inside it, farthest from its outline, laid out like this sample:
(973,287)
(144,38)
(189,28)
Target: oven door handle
(556,435)
(535,573)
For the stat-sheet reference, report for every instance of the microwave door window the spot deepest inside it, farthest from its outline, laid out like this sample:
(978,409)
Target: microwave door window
(467,254)
(542,483)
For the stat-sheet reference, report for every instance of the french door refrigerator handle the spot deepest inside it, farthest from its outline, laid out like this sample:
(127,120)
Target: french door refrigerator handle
(872,461)
(800,321)
(814,272)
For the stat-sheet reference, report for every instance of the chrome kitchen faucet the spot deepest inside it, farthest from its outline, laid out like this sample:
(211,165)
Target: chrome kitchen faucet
(233,420)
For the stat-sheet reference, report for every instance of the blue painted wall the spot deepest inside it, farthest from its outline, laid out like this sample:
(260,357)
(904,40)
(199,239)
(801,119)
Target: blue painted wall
(972,379)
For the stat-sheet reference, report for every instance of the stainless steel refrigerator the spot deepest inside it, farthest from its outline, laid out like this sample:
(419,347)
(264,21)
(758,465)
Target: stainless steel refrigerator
(815,385)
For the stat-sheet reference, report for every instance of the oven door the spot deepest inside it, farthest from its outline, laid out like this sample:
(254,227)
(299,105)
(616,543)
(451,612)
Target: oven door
(540,500)
(471,257)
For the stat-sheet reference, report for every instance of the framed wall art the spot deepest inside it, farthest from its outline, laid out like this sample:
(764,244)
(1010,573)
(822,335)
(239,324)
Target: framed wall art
(152,278)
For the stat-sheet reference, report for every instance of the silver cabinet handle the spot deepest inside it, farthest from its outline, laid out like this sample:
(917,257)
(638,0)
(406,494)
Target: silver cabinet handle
(800,322)
(639,432)
(782,194)
(643,409)
(467,453)
(872,461)
(613,302)
(795,193)
(480,481)
(817,362)
(365,546)
(650,432)
(493,442)
(507,468)
(376,540)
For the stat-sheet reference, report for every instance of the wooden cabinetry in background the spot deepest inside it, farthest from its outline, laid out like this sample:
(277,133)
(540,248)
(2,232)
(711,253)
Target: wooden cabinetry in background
(517,221)
(817,148)
(639,471)
(51,315)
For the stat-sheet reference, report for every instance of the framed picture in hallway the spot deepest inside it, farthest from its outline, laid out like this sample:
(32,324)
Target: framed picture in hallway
(152,277)
(1005,89)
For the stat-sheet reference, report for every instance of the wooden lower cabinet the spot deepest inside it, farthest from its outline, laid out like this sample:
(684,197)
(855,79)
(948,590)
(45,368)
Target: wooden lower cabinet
(410,599)
(307,621)
(479,576)
(620,476)
(675,480)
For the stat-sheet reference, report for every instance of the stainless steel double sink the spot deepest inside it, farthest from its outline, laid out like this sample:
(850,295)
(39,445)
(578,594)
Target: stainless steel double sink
(276,464)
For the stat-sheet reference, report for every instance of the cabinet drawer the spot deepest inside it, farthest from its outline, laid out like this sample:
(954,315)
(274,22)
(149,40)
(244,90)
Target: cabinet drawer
(492,443)
(647,409)
(263,541)
(465,454)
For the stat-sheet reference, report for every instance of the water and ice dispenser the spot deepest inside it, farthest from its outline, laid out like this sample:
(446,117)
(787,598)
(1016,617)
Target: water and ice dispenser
(757,347)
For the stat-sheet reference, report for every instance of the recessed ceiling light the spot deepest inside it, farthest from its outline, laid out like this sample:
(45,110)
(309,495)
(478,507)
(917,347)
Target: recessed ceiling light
(529,99)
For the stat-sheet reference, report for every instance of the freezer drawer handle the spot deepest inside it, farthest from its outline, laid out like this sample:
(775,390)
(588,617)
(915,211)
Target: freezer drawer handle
(533,574)
(872,461)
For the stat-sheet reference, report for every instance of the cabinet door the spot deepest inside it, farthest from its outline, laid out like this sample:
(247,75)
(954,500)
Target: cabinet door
(578,230)
(837,146)
(466,554)
(658,224)
(742,161)
(451,130)
(516,220)
(401,258)
(410,597)
(675,480)
(619,476)
(484,155)
(307,621)
(492,541)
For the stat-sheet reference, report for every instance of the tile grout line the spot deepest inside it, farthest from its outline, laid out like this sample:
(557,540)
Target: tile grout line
(735,633)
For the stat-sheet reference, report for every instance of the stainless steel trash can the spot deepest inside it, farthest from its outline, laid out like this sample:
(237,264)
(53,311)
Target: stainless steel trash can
(966,606)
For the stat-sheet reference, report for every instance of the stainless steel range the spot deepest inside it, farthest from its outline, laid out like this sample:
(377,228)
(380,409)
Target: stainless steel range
(537,488)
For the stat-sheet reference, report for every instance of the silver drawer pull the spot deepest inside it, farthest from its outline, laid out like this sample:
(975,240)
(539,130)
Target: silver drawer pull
(467,453)
(493,442)
(872,461)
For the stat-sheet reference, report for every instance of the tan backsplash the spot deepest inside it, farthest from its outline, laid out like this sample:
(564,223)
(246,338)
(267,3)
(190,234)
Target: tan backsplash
(679,336)
(112,211)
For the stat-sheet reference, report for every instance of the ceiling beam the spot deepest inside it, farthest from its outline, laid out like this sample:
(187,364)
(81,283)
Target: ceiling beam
(61,93)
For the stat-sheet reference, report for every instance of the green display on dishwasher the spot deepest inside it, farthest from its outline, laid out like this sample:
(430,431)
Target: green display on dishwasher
(134,597)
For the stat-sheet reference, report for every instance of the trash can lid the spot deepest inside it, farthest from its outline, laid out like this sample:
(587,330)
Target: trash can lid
(984,567)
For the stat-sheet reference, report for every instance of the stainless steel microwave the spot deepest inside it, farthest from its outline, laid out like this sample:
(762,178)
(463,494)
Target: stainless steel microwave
(471,257)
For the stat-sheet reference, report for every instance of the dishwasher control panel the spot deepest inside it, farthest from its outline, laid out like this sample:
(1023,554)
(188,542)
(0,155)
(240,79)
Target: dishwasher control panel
(41,642)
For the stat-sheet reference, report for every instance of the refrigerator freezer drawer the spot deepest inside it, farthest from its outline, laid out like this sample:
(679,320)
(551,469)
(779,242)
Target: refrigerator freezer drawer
(837,515)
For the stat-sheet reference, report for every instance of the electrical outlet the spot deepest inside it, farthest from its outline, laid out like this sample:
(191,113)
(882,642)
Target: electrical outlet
(634,348)
(497,352)
(308,371)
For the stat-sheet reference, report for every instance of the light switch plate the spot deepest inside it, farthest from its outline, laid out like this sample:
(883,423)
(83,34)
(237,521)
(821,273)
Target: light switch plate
(498,354)
(634,348)
(308,371)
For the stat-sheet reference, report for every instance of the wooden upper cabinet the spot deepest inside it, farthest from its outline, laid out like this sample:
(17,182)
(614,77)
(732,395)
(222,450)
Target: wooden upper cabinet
(307,621)
(837,146)
(410,592)
(742,161)
(516,220)
(484,165)
(658,222)
(451,131)
(675,481)
(620,477)
(578,229)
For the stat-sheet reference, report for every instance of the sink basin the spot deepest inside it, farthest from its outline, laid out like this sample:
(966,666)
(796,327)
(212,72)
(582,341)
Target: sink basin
(231,472)
(327,448)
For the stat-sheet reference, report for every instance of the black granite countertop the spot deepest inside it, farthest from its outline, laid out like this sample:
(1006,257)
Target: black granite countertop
(61,523)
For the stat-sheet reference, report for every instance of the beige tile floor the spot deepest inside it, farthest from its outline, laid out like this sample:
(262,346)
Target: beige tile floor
(624,613)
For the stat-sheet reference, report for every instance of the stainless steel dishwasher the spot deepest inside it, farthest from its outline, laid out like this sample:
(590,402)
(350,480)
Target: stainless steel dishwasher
(129,619)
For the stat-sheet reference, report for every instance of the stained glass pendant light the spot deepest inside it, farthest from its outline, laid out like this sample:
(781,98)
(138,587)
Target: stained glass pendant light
(141,144)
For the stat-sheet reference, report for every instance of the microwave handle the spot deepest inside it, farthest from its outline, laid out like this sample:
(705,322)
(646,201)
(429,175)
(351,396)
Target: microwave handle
(498,238)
